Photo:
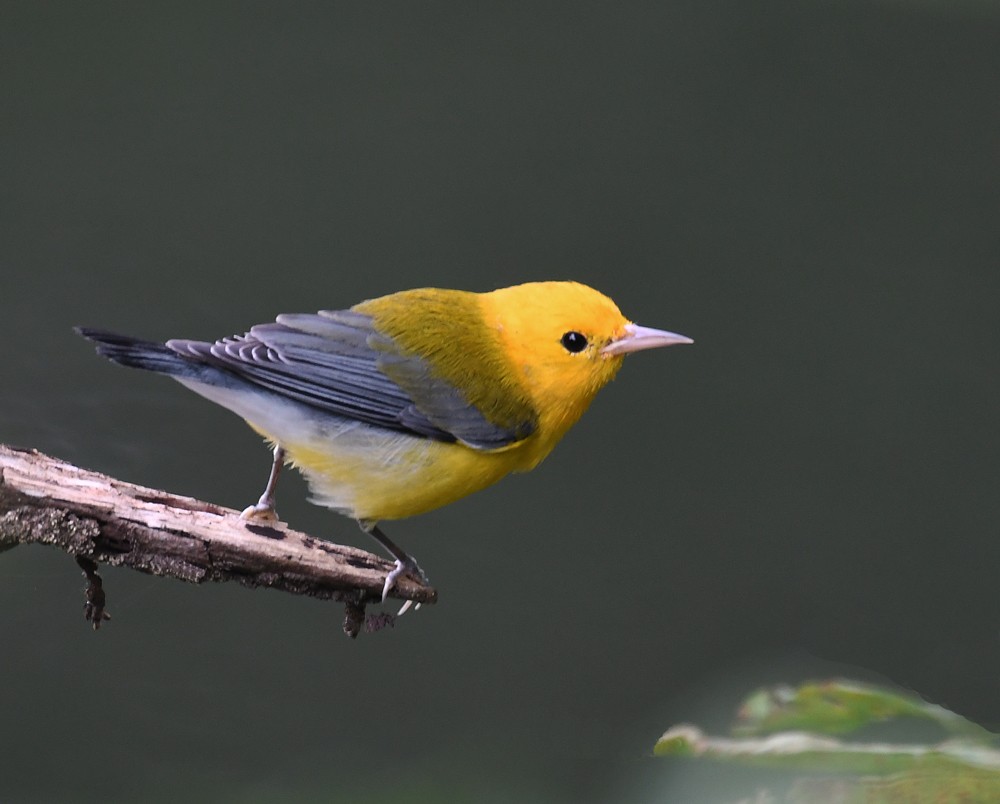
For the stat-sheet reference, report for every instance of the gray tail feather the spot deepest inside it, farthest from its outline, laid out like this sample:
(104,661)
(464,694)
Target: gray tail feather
(137,353)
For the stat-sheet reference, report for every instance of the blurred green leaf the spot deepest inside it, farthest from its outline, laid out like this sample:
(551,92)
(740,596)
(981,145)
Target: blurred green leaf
(807,752)
(789,728)
(841,707)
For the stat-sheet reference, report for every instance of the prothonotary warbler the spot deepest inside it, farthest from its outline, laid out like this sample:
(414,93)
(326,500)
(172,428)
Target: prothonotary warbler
(408,402)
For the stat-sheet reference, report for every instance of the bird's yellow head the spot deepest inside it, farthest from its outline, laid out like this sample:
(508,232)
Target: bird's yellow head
(566,341)
(529,358)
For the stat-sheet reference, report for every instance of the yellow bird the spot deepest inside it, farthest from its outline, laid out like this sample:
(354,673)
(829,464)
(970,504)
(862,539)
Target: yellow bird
(408,402)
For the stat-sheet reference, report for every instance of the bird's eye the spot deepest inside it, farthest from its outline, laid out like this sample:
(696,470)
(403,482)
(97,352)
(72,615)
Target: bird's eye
(573,342)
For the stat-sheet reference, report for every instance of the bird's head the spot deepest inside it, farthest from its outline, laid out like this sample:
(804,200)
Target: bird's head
(567,341)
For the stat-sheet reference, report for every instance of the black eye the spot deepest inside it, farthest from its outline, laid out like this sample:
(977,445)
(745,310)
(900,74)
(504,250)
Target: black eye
(573,342)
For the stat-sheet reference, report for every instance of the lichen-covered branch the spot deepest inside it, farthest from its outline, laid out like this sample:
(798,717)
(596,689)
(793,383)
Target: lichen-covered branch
(105,521)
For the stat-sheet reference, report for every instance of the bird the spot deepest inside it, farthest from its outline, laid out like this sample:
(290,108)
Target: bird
(407,402)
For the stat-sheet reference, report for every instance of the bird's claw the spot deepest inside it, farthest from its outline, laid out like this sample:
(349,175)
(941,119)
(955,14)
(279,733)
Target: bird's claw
(406,607)
(403,567)
(261,512)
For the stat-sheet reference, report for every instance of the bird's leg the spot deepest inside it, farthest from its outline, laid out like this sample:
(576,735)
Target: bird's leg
(404,563)
(264,509)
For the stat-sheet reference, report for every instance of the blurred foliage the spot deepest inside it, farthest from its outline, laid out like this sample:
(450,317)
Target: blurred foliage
(841,707)
(789,728)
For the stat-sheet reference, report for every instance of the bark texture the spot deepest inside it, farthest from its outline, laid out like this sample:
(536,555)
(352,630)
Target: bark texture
(101,520)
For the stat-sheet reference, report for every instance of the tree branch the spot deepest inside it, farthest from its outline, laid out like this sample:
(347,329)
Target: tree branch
(102,520)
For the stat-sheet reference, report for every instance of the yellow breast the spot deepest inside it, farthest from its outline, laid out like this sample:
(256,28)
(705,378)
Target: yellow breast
(373,474)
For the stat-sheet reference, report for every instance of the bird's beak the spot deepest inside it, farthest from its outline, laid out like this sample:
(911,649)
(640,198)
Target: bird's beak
(636,338)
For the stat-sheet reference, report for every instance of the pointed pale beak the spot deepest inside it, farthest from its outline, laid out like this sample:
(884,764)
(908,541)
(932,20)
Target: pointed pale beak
(636,338)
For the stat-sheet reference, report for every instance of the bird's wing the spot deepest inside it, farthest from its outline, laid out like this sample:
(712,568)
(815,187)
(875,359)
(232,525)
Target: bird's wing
(335,361)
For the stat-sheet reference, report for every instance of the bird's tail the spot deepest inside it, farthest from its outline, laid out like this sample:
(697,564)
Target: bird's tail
(149,355)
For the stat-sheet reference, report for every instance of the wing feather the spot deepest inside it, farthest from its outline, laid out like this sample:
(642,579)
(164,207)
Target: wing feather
(337,361)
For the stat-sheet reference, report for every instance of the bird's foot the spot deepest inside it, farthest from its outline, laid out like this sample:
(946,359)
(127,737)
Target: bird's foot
(263,512)
(405,566)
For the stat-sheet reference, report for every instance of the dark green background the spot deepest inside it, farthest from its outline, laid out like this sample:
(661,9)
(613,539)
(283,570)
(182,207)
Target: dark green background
(808,189)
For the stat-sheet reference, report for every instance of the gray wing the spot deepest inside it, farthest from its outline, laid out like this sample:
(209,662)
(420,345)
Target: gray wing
(334,361)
